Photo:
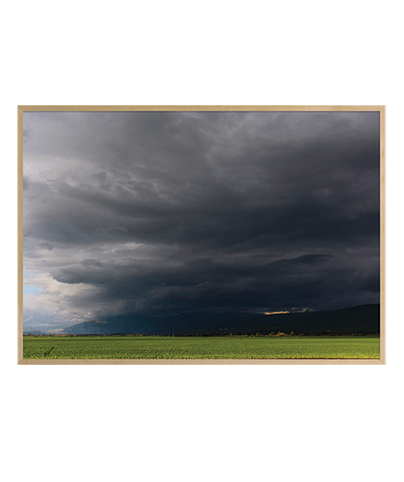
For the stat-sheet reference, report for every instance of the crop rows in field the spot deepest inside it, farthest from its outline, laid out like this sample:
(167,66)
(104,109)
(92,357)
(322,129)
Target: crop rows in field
(200,348)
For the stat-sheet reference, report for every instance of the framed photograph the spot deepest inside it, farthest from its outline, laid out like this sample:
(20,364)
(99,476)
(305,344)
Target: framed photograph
(201,234)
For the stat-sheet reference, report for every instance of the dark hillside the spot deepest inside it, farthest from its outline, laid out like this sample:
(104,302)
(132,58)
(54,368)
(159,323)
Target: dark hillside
(363,319)
(117,324)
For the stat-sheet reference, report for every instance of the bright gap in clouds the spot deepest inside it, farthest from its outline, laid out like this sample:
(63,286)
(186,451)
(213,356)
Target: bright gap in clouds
(30,290)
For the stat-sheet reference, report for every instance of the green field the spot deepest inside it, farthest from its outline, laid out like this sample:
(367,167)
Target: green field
(111,347)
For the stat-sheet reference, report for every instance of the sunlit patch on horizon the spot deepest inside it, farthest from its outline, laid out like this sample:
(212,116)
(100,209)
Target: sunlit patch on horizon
(276,312)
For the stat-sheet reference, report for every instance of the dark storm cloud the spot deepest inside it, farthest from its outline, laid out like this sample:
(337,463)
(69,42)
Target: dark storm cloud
(170,211)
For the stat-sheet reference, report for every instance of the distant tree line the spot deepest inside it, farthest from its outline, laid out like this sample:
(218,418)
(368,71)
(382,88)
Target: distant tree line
(271,334)
(213,334)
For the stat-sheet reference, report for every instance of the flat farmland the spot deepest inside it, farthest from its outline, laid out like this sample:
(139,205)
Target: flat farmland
(126,347)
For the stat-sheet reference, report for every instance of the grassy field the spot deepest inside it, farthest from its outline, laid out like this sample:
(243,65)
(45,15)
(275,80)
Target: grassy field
(200,347)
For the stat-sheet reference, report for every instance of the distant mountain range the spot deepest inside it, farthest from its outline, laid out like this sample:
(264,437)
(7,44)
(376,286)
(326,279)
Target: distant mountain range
(34,332)
(364,319)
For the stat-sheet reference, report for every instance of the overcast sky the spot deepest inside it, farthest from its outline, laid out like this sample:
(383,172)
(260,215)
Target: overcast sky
(166,212)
